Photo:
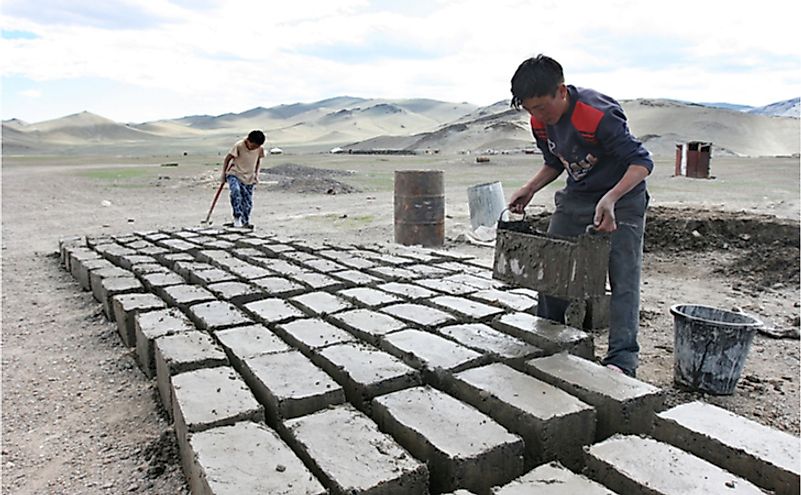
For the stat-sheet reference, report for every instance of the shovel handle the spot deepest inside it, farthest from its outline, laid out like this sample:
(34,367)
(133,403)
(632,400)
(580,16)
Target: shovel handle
(214,201)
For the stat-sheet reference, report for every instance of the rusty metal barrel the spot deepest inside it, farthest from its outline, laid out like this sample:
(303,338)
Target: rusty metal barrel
(419,207)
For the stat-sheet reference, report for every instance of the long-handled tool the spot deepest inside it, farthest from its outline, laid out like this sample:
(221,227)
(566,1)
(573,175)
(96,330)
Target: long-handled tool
(217,195)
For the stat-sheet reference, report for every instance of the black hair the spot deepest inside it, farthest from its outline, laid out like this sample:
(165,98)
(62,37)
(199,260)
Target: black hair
(256,137)
(537,76)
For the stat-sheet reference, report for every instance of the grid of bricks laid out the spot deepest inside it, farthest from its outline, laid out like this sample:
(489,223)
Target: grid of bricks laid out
(289,367)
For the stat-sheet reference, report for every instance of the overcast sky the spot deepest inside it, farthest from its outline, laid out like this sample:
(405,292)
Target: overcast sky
(143,60)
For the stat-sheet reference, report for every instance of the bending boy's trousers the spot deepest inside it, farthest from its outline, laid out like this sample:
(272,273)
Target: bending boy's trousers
(241,198)
(574,211)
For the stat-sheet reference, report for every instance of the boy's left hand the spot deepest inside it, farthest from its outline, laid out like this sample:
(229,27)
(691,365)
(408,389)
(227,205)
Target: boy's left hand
(604,219)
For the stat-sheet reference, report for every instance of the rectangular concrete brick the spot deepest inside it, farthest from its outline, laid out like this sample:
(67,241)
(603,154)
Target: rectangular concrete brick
(75,255)
(480,283)
(68,244)
(113,252)
(357,263)
(152,325)
(419,315)
(463,447)
(282,267)
(409,291)
(185,295)
(318,281)
(126,307)
(324,266)
(320,303)
(498,345)
(365,371)
(242,343)
(83,268)
(154,251)
(393,273)
(97,276)
(367,325)
(623,404)
(142,269)
(428,271)
(447,287)
(213,256)
(216,315)
(289,385)
(207,398)
(246,271)
(273,310)
(182,352)
(178,245)
(552,479)
(430,353)
(355,277)
(236,292)
(765,456)
(220,244)
(210,276)
(371,298)
(184,268)
(506,299)
(308,334)
(278,286)
(156,281)
(170,260)
(355,457)
(246,458)
(548,335)
(552,423)
(643,466)
(299,257)
(110,287)
(465,308)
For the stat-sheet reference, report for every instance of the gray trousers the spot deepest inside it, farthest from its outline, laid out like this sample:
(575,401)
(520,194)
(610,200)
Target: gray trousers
(574,211)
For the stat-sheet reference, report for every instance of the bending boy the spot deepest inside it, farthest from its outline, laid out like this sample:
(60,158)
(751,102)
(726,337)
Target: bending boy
(241,170)
(585,133)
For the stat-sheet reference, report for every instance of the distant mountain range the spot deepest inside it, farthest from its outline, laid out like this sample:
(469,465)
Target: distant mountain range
(786,108)
(409,124)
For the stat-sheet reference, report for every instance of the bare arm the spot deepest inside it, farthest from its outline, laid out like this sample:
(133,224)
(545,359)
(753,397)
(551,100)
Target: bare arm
(604,219)
(258,167)
(226,165)
(522,196)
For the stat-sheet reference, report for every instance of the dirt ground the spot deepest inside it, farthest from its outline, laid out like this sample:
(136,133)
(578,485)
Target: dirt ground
(79,417)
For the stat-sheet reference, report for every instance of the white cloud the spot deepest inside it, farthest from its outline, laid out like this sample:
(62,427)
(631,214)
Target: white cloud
(31,93)
(229,56)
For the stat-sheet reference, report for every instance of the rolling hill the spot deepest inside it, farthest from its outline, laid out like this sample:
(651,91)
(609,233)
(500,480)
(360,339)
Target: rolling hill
(409,124)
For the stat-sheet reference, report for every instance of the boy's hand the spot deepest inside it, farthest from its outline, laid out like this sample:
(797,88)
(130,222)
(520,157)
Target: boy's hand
(519,200)
(604,220)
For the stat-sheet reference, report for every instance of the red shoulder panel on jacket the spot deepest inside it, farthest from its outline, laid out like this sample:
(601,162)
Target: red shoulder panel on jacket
(586,118)
(538,128)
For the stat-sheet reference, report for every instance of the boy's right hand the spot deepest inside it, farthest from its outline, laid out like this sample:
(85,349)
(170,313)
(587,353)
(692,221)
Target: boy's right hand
(519,200)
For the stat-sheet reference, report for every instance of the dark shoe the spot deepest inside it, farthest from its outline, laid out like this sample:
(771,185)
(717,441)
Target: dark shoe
(249,226)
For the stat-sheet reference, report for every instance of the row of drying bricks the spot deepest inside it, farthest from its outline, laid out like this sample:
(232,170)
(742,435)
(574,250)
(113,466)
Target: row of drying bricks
(431,394)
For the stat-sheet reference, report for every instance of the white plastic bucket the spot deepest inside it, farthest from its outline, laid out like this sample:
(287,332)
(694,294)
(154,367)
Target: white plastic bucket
(486,203)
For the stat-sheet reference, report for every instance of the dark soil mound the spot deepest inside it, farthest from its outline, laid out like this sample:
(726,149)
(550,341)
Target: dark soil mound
(291,177)
(766,248)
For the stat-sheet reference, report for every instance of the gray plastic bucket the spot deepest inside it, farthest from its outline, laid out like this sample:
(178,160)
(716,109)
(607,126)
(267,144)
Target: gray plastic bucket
(710,347)
(486,203)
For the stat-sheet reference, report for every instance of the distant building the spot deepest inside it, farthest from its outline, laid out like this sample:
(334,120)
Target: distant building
(276,151)
(337,150)
(692,159)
